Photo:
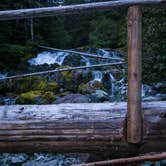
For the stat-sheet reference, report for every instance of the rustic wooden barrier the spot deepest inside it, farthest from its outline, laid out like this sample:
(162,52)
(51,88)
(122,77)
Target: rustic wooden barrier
(37,128)
(74,9)
(78,128)
(134,117)
(61,70)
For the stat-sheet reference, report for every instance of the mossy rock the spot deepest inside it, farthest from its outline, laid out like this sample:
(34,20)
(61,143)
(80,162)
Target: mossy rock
(30,83)
(48,97)
(52,86)
(62,94)
(90,87)
(36,97)
(69,82)
(31,97)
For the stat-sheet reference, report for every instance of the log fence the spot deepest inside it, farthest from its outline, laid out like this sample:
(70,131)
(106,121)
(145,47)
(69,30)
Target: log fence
(96,130)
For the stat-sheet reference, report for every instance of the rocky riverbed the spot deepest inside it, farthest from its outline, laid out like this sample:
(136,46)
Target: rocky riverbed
(39,159)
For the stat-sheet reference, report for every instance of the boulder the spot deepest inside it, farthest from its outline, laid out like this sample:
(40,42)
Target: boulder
(73,98)
(160,87)
(99,96)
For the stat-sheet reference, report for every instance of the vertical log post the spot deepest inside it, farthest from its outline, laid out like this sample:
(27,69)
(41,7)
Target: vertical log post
(134,114)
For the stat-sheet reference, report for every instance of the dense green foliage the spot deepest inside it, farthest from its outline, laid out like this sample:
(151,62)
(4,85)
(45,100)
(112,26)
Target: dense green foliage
(93,30)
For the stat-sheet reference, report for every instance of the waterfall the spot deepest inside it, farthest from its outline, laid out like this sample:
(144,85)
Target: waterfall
(86,60)
(103,52)
(49,58)
(97,76)
(118,87)
(113,86)
(106,53)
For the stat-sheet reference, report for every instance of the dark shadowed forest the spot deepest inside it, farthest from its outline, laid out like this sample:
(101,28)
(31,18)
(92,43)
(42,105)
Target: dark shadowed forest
(19,38)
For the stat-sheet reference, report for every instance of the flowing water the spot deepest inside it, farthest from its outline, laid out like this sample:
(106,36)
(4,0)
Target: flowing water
(113,86)
(49,58)
(3,75)
(97,76)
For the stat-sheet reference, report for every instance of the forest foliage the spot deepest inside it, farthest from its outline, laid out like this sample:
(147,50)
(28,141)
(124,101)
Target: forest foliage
(95,30)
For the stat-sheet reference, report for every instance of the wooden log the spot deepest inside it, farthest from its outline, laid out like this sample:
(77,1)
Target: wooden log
(74,9)
(60,70)
(137,159)
(134,114)
(82,53)
(78,128)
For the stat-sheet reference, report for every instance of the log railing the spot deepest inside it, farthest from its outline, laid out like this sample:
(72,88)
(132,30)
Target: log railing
(89,131)
(74,9)
(91,127)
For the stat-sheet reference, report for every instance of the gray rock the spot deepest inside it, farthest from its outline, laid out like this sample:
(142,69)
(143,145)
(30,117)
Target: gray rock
(39,163)
(157,97)
(146,90)
(99,95)
(73,98)
(15,158)
(160,87)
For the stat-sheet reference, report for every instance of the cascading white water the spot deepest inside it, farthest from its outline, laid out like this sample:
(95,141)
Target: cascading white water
(46,57)
(49,58)
(97,76)
(86,60)
(3,75)
(106,53)
(103,52)
(113,87)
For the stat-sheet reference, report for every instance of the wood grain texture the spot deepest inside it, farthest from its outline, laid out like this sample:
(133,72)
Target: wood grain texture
(134,114)
(77,127)
(74,9)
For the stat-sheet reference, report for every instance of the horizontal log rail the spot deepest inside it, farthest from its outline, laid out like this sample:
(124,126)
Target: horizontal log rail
(74,9)
(78,127)
(60,70)
(81,53)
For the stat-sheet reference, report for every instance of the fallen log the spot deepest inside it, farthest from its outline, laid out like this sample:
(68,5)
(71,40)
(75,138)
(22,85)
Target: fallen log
(60,70)
(154,157)
(81,53)
(87,127)
(74,9)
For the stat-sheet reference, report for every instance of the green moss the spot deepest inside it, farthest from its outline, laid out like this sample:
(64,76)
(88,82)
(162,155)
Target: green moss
(64,94)
(30,83)
(31,97)
(52,86)
(48,97)
(69,82)
(38,83)
(36,97)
